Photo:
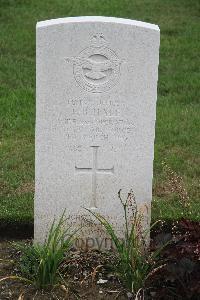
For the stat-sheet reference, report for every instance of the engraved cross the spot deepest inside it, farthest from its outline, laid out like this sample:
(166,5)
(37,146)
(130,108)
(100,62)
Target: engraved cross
(94,170)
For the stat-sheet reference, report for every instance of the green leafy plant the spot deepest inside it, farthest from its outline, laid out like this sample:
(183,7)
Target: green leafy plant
(40,263)
(135,263)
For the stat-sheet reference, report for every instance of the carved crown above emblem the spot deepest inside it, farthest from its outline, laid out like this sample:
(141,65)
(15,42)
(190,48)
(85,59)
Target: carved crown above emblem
(98,40)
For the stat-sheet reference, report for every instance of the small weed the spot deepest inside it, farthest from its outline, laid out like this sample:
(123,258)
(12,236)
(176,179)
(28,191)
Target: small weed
(176,184)
(135,263)
(40,264)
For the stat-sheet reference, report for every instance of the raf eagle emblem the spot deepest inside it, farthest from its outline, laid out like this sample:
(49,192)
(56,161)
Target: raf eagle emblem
(96,68)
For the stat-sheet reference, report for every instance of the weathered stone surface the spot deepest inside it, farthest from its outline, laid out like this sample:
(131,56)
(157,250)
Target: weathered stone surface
(95,116)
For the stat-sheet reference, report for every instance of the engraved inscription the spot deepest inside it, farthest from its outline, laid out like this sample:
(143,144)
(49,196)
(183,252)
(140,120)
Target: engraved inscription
(94,170)
(97,68)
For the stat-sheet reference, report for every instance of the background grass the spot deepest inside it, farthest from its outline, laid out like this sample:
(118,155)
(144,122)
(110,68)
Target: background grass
(178,109)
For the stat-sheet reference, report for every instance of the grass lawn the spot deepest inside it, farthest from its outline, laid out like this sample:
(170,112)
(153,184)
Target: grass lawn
(178,110)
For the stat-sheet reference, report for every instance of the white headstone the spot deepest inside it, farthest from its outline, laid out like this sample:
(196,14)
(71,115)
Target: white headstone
(95,117)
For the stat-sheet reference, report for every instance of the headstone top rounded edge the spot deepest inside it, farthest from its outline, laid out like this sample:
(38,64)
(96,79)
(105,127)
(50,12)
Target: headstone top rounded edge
(96,19)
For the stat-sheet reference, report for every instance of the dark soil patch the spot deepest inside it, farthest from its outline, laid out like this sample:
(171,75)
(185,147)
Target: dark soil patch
(85,269)
(16,230)
(89,275)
